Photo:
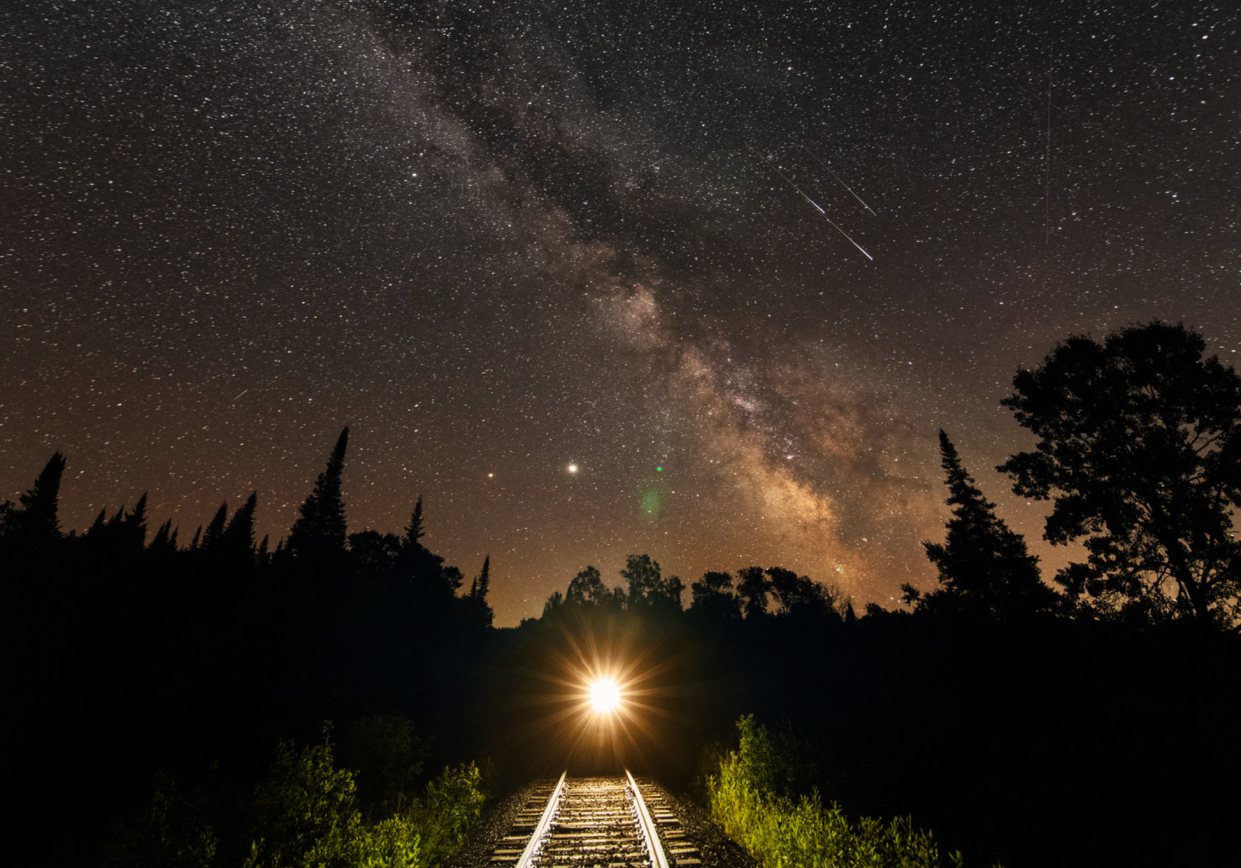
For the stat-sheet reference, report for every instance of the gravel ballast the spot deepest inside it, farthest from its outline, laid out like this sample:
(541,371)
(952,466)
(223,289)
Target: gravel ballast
(716,849)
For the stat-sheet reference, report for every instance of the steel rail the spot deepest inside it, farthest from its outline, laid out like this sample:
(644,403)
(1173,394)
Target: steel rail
(531,853)
(647,824)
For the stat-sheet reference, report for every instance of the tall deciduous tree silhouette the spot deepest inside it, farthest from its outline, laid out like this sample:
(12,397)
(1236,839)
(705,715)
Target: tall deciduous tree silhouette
(1140,452)
(648,588)
(752,590)
(642,578)
(587,588)
(374,553)
(713,597)
(320,530)
(985,569)
(801,595)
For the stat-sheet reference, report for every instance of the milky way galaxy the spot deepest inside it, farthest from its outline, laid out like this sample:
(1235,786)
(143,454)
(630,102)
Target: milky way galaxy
(499,238)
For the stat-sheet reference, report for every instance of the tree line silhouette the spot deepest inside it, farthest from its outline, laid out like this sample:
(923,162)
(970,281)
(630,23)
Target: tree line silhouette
(319,545)
(129,651)
(158,653)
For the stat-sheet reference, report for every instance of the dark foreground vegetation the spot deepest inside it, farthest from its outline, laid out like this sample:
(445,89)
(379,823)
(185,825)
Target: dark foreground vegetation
(165,703)
(748,793)
(310,811)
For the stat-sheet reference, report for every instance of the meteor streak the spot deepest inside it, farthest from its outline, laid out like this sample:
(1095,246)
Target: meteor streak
(837,177)
(824,213)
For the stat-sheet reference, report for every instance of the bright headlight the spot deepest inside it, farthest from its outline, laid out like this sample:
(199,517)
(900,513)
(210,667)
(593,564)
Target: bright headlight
(605,695)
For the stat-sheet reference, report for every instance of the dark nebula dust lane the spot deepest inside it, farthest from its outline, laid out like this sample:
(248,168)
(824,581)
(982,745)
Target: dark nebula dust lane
(500,238)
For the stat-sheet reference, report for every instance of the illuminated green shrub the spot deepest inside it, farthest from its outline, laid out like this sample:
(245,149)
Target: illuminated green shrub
(747,797)
(306,815)
(452,804)
(170,831)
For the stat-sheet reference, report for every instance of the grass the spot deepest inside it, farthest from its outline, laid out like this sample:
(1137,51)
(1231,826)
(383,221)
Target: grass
(748,794)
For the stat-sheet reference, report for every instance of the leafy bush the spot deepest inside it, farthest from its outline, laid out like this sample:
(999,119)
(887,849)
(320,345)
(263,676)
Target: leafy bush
(170,831)
(386,756)
(750,796)
(307,815)
(452,804)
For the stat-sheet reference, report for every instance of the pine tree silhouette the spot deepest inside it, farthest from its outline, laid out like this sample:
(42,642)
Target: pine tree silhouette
(215,530)
(984,567)
(320,530)
(35,520)
(414,533)
(237,540)
(121,536)
(165,540)
(134,526)
(482,584)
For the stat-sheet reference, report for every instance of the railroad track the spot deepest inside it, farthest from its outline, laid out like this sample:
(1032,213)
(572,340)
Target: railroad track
(586,822)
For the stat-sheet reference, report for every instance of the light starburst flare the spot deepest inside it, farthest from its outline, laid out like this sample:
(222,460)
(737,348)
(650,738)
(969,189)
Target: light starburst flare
(605,695)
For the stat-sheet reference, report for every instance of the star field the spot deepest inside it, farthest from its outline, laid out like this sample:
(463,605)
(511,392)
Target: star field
(498,239)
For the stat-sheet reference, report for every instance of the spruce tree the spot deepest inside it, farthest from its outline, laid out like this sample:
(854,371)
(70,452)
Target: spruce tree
(100,522)
(985,569)
(237,540)
(414,533)
(35,522)
(135,526)
(483,583)
(476,601)
(416,562)
(215,530)
(165,540)
(320,530)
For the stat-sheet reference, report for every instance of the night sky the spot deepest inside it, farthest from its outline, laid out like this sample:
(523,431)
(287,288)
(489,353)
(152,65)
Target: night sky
(502,239)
